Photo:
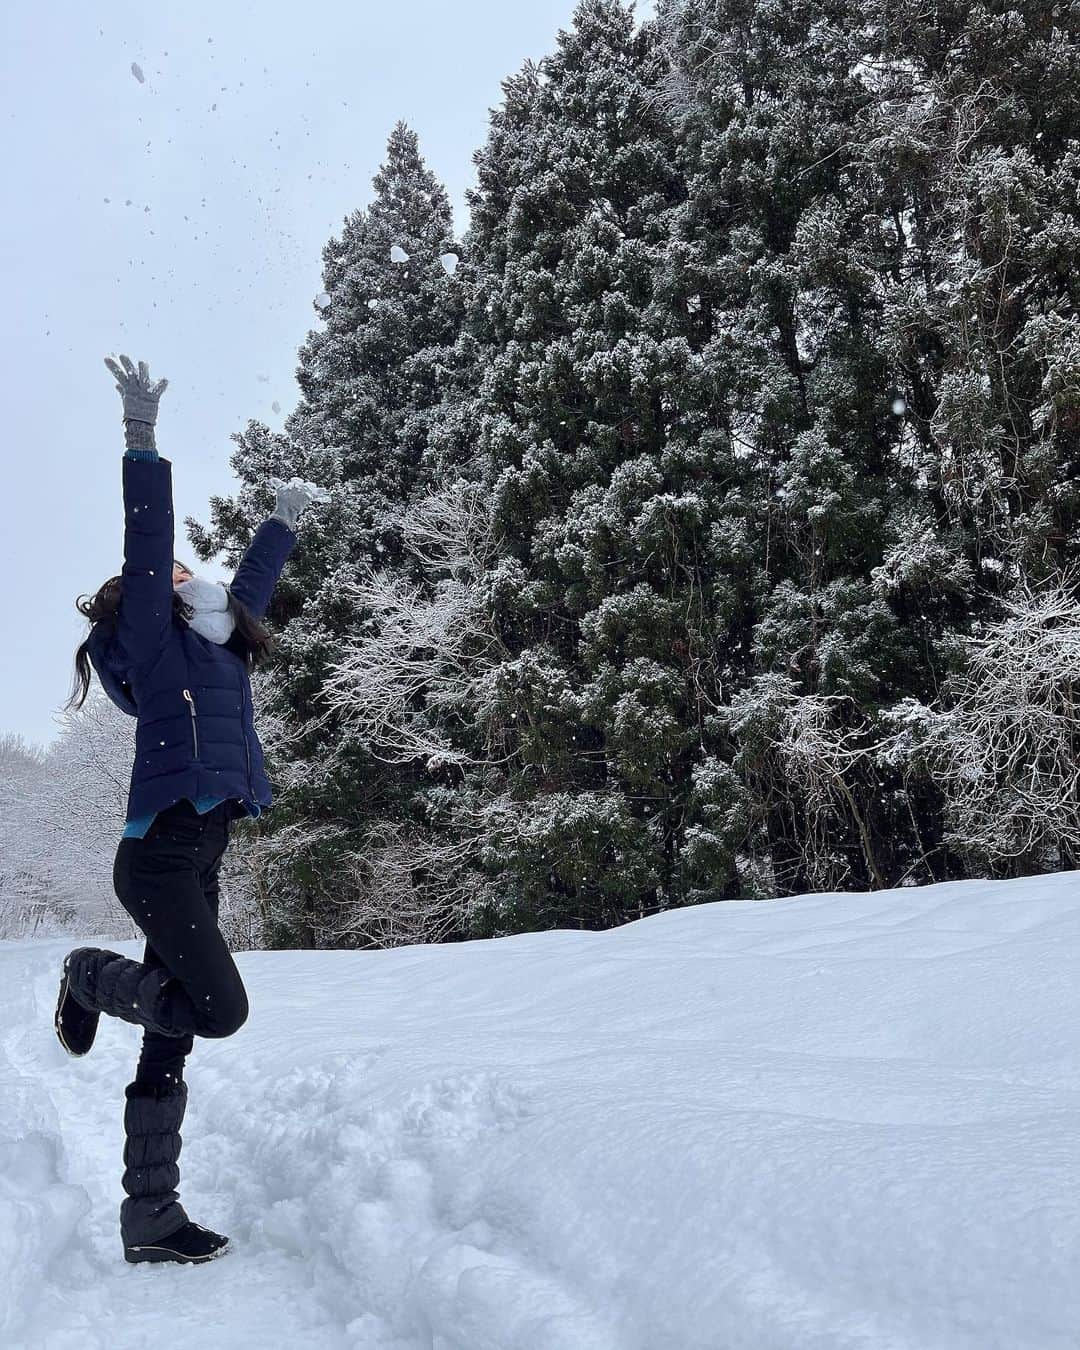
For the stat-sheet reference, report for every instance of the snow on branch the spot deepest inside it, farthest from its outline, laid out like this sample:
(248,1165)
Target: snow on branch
(409,885)
(1003,744)
(412,670)
(807,749)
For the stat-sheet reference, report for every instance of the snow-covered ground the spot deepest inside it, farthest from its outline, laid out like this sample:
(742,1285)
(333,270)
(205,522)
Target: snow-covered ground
(808,1124)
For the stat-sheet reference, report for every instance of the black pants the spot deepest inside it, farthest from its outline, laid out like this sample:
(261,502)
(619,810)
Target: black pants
(168,883)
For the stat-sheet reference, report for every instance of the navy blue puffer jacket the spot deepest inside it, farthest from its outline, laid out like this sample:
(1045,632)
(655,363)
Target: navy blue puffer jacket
(195,734)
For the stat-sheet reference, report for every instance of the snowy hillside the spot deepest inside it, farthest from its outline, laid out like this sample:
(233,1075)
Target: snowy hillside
(809,1124)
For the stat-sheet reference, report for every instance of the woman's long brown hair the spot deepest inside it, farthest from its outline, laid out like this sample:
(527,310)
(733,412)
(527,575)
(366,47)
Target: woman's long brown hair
(103,606)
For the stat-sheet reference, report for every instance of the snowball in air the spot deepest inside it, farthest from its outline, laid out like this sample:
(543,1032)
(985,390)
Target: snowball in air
(323,300)
(136,70)
(449,262)
(398,254)
(899,407)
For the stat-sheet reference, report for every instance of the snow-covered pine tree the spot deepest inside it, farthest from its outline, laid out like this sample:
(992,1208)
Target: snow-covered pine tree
(704,527)
(974,132)
(795,220)
(371,377)
(601,443)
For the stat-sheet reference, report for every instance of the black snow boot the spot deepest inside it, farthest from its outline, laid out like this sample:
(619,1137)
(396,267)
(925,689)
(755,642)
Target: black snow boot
(190,1245)
(106,982)
(75,1025)
(151,1212)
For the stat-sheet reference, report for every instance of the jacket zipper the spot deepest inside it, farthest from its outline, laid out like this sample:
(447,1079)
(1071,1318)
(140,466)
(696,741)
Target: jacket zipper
(247,749)
(194,721)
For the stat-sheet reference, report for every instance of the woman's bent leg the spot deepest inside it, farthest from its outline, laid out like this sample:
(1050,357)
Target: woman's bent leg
(160,882)
(197,989)
(162,1058)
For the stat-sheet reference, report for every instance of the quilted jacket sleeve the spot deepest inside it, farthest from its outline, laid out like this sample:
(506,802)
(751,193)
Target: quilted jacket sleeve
(146,605)
(261,565)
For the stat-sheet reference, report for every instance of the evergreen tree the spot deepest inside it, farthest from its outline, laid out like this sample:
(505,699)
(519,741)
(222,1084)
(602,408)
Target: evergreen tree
(788,223)
(594,426)
(372,379)
(975,134)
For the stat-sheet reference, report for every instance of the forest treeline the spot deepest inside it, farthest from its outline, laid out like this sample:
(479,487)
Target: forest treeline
(708,530)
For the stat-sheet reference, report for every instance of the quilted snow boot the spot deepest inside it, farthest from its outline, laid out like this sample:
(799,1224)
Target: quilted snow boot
(153,1223)
(75,1025)
(153,1114)
(101,981)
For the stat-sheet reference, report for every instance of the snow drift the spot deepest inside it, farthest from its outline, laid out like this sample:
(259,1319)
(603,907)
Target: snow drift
(809,1124)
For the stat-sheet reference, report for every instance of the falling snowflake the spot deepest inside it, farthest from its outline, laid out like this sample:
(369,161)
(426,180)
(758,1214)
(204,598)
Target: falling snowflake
(449,262)
(136,70)
(899,407)
(398,254)
(373,304)
(276,406)
(322,300)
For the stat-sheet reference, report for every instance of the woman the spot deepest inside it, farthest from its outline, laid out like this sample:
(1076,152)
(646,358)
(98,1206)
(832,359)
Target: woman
(175,651)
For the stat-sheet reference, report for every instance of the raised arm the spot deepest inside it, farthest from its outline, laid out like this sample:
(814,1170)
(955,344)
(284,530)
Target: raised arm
(261,565)
(146,603)
(272,543)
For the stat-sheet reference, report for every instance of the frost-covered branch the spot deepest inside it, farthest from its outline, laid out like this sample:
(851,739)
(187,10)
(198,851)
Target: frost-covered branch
(412,671)
(409,885)
(1003,744)
(793,740)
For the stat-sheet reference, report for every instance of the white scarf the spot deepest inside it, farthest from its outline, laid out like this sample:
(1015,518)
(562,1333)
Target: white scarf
(211,617)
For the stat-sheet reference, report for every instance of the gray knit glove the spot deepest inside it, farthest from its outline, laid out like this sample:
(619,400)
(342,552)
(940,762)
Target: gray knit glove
(292,498)
(140,401)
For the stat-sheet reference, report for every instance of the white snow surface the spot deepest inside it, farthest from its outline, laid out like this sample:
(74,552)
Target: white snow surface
(809,1124)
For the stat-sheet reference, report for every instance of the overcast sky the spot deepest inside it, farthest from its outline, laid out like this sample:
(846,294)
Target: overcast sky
(181,220)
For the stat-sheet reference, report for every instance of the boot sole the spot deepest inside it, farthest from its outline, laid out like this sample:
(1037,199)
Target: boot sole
(136,1255)
(75,1054)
